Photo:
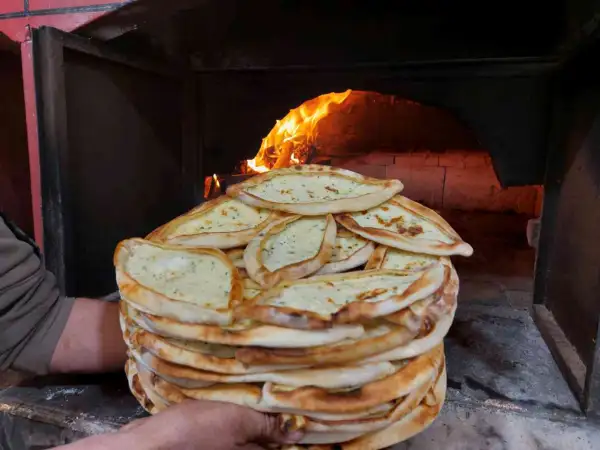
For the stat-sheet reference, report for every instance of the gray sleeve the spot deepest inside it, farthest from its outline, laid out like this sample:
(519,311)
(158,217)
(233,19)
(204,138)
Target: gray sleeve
(32,313)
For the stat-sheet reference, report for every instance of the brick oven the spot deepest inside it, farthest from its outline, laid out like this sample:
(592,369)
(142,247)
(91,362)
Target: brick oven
(158,105)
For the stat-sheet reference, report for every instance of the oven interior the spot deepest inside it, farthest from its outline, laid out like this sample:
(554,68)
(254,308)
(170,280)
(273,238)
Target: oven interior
(487,112)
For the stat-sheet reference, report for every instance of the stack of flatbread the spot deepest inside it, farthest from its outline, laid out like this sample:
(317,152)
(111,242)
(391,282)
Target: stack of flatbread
(310,292)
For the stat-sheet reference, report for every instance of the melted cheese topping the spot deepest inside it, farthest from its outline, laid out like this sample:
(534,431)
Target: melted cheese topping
(327,297)
(194,278)
(303,188)
(401,260)
(346,245)
(299,241)
(228,216)
(394,218)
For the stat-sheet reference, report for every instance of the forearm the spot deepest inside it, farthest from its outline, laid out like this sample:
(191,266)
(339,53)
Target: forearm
(91,341)
(111,441)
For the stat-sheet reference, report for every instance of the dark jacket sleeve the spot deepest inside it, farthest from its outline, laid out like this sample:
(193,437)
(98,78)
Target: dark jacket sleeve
(32,313)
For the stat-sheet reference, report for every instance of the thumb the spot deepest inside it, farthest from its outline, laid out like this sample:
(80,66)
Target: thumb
(271,428)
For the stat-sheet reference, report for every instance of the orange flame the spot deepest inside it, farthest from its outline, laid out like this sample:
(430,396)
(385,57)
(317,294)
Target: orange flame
(217,183)
(298,127)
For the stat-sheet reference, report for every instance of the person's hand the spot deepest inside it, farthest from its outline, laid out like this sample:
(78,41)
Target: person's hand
(196,424)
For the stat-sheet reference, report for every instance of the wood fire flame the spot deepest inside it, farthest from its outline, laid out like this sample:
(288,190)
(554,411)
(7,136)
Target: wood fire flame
(291,139)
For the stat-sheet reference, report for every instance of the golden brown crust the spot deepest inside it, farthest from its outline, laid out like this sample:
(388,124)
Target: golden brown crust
(254,334)
(332,377)
(264,277)
(355,312)
(358,258)
(376,259)
(388,189)
(148,299)
(408,243)
(177,354)
(410,377)
(325,355)
(224,240)
(361,311)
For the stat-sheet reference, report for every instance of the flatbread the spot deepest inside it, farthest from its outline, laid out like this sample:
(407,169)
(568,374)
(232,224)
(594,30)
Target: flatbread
(406,423)
(250,395)
(406,225)
(198,285)
(314,190)
(406,427)
(333,377)
(289,249)
(136,389)
(378,338)
(220,223)
(408,378)
(199,355)
(349,251)
(391,258)
(236,256)
(145,379)
(419,345)
(244,334)
(320,301)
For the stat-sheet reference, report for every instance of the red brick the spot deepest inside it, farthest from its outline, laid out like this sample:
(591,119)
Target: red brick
(423,184)
(432,160)
(479,189)
(452,158)
(364,169)
(376,159)
(415,159)
(476,159)
(402,160)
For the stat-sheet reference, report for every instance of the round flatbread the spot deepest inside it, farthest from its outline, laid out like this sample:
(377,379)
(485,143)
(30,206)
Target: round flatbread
(320,301)
(349,251)
(236,256)
(333,377)
(406,225)
(290,249)
(378,338)
(314,190)
(391,258)
(410,376)
(220,223)
(198,285)
(199,355)
(242,334)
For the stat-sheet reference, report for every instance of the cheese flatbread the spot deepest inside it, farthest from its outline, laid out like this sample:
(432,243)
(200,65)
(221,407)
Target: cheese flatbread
(290,249)
(320,301)
(314,190)
(406,225)
(198,285)
(220,223)
(349,251)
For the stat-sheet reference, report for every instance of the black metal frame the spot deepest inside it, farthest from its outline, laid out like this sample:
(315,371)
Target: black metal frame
(49,45)
(559,272)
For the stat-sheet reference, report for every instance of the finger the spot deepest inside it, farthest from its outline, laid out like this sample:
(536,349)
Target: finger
(251,447)
(268,428)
